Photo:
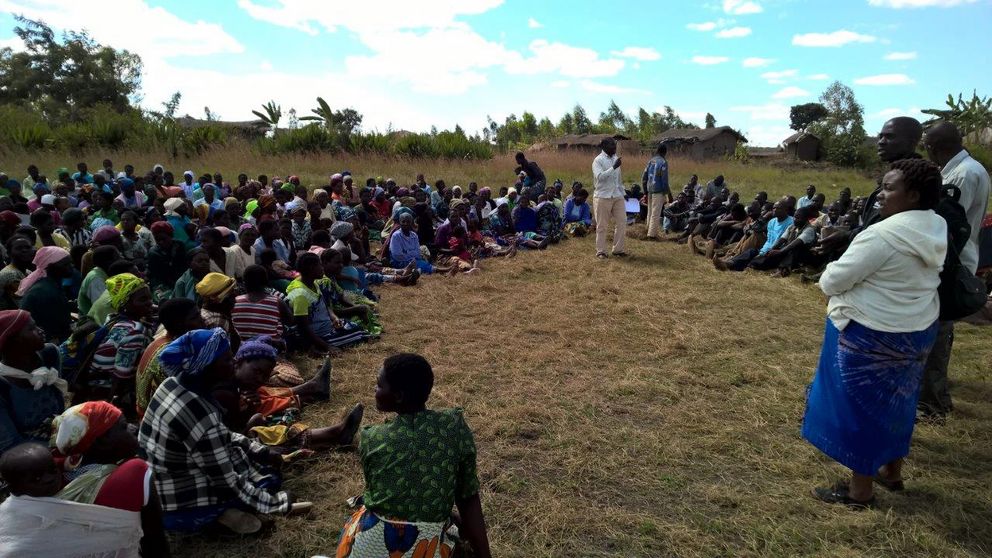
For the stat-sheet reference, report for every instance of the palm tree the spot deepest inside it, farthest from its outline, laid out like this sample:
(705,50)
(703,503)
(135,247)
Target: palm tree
(323,113)
(271,116)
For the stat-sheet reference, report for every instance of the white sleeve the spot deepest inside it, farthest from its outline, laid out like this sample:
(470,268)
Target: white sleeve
(866,254)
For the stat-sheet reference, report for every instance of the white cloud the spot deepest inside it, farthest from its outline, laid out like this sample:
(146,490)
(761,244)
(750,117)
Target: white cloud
(767,111)
(14,43)
(733,33)
(756,62)
(561,84)
(835,39)
(741,7)
(790,92)
(709,60)
(638,53)
(596,87)
(705,26)
(779,76)
(899,4)
(885,79)
(157,41)
(818,77)
(365,17)
(534,24)
(901,56)
(265,66)
(565,59)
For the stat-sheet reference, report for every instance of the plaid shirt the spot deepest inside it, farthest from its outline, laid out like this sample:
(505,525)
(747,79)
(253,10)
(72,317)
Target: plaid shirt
(195,459)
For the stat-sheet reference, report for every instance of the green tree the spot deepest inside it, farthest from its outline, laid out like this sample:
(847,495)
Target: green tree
(63,78)
(528,123)
(969,116)
(804,115)
(614,119)
(842,129)
(271,114)
(710,121)
(580,120)
(341,122)
(566,125)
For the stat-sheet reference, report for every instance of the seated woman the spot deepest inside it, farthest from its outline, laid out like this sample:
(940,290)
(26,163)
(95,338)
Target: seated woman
(359,309)
(319,327)
(280,274)
(166,261)
(177,316)
(42,294)
(395,477)
(504,231)
(261,310)
(404,248)
(98,454)
(578,214)
(549,222)
(204,473)
(115,362)
(137,240)
(199,266)
(216,292)
(36,521)
(32,391)
(269,414)
(242,254)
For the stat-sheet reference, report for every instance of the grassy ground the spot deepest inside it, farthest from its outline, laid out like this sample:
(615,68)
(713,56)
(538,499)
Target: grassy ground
(644,407)
(647,407)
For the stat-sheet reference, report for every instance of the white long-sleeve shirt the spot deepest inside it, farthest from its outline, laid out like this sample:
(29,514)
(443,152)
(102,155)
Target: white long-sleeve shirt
(606,179)
(887,278)
(973,180)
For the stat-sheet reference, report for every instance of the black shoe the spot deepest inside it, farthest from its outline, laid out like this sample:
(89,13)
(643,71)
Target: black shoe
(839,494)
(891,486)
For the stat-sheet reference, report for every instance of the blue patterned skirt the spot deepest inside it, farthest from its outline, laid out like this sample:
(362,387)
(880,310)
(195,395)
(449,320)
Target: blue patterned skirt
(861,407)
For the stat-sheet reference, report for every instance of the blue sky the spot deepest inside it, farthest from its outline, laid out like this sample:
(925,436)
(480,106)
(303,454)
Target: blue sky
(413,64)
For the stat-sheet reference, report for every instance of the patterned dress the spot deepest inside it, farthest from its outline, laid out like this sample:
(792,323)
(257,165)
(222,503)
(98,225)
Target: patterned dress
(416,467)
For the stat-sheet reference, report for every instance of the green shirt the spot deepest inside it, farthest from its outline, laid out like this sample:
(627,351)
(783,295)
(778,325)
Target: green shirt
(416,466)
(101,308)
(93,285)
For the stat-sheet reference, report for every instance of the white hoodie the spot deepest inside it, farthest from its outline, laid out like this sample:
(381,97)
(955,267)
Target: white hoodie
(887,278)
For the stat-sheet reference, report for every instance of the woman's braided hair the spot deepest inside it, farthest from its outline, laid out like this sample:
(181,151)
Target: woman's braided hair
(922,176)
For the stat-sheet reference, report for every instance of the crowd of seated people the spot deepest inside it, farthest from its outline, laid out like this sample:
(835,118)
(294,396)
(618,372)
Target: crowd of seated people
(165,313)
(782,236)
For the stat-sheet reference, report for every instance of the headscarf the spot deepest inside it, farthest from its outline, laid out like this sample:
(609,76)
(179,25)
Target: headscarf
(483,191)
(12,321)
(267,202)
(246,226)
(121,287)
(9,217)
(336,176)
(48,199)
(194,351)
(229,201)
(171,205)
(214,287)
(79,426)
(345,213)
(288,187)
(107,234)
(341,229)
(226,232)
(257,348)
(250,208)
(402,192)
(44,257)
(162,227)
(189,173)
(41,188)
(456,203)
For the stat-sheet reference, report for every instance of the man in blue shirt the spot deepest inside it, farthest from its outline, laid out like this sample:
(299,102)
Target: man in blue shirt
(654,181)
(780,221)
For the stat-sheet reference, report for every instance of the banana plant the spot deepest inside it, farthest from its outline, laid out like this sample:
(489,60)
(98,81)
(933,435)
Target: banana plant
(271,115)
(322,113)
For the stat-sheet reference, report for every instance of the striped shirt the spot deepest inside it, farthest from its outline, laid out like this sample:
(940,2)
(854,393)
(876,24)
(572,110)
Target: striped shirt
(252,319)
(120,352)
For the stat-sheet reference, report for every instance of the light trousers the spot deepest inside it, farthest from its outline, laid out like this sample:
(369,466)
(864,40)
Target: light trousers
(656,203)
(607,209)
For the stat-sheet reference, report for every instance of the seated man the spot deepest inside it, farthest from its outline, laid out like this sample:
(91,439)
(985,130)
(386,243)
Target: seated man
(780,221)
(727,229)
(677,214)
(792,249)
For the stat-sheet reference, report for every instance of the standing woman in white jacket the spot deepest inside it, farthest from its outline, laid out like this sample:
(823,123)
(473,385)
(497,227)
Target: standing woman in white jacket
(881,323)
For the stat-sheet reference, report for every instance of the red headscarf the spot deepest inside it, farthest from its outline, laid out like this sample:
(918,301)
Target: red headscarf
(12,321)
(44,257)
(162,227)
(10,218)
(79,426)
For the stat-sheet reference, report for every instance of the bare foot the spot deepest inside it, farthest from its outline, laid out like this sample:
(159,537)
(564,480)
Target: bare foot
(720,264)
(351,424)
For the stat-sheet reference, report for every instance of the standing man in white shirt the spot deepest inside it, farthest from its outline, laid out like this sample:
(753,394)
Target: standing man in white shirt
(608,199)
(944,146)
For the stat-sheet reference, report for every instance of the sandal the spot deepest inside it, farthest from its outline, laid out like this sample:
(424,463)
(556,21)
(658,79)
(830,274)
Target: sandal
(890,485)
(601,256)
(840,494)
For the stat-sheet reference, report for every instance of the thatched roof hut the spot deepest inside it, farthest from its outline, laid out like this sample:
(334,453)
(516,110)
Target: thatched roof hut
(591,142)
(802,146)
(700,143)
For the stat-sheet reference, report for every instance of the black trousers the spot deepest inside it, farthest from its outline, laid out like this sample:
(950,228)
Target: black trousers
(935,395)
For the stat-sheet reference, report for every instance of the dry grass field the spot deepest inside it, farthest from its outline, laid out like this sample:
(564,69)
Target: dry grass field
(642,407)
